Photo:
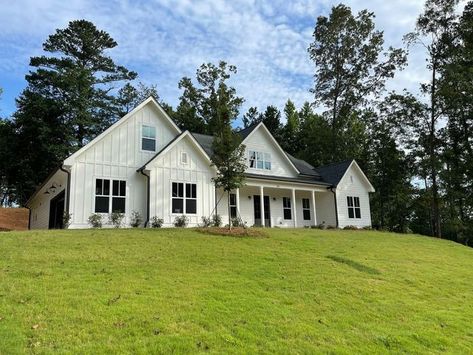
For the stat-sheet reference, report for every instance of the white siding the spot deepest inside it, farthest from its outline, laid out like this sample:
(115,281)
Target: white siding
(168,168)
(325,205)
(117,156)
(353,184)
(260,141)
(276,206)
(40,204)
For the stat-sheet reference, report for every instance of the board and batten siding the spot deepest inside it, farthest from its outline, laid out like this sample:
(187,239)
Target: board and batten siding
(168,168)
(39,206)
(353,184)
(117,156)
(260,141)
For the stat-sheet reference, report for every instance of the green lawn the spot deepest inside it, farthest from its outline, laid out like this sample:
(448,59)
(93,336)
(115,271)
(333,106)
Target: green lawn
(178,291)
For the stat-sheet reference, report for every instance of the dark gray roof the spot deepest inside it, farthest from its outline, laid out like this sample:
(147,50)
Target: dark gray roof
(205,142)
(304,167)
(245,132)
(333,173)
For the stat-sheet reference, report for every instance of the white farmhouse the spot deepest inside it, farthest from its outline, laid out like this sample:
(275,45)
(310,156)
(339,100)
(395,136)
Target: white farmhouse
(145,163)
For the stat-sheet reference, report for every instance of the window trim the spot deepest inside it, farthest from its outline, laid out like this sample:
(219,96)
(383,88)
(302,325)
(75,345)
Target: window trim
(306,209)
(110,195)
(184,199)
(263,159)
(155,138)
(284,208)
(354,206)
(231,206)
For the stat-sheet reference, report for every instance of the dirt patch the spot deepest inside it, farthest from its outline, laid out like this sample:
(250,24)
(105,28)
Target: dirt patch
(13,219)
(235,232)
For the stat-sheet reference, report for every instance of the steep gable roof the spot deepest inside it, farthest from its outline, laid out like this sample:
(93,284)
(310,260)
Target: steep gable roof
(150,100)
(333,173)
(173,143)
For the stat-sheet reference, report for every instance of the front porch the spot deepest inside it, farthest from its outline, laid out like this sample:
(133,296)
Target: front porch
(282,205)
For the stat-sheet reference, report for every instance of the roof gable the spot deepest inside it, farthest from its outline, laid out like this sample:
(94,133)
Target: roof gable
(250,131)
(149,101)
(172,144)
(334,173)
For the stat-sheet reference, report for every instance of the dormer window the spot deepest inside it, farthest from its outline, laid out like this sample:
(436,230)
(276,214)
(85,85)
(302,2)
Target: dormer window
(259,160)
(148,138)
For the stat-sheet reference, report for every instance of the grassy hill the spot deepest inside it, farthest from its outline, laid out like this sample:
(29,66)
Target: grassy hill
(297,291)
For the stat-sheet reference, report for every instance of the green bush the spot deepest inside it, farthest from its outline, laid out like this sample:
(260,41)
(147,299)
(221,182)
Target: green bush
(115,219)
(351,228)
(181,221)
(237,222)
(206,222)
(95,220)
(156,222)
(66,219)
(216,220)
(136,219)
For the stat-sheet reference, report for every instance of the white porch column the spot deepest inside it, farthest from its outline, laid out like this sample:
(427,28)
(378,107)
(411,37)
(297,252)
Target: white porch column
(294,216)
(237,196)
(313,207)
(261,192)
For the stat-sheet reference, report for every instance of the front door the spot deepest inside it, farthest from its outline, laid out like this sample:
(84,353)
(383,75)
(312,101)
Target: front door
(56,211)
(257,209)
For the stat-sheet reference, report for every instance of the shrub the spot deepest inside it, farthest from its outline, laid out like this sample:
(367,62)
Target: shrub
(181,221)
(116,218)
(95,220)
(237,222)
(66,219)
(206,222)
(135,219)
(351,228)
(367,228)
(330,227)
(156,222)
(216,220)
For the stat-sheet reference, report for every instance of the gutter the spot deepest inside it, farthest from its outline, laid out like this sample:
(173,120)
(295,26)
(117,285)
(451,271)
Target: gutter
(336,206)
(68,188)
(148,197)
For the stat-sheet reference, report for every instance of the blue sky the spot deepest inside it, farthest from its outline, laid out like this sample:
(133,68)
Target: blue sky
(164,40)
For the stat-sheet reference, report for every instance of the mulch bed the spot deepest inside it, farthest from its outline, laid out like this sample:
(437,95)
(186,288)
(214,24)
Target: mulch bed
(235,232)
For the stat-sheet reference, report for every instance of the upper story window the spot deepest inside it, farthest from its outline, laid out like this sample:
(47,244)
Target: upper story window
(148,138)
(259,160)
(354,209)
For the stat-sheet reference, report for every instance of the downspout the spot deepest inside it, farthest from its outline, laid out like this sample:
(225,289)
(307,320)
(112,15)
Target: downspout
(336,206)
(148,197)
(68,188)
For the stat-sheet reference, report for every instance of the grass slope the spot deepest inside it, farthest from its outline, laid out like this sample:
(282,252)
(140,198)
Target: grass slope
(298,291)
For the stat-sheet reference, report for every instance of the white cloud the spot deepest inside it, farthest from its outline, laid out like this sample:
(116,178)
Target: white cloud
(165,40)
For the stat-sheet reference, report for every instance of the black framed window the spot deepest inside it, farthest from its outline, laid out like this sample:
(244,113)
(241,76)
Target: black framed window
(191,198)
(148,138)
(286,207)
(107,200)
(354,209)
(102,195)
(184,198)
(118,196)
(233,206)
(306,209)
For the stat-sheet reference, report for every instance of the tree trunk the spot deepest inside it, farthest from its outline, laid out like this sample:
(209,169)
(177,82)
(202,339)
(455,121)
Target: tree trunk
(229,214)
(435,198)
